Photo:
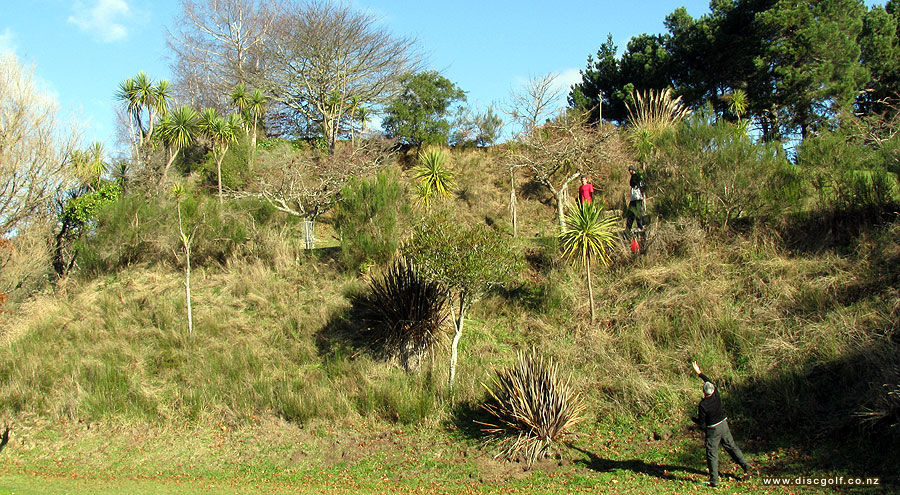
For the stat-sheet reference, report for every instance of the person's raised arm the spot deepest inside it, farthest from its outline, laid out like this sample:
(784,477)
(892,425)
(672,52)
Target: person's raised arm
(699,373)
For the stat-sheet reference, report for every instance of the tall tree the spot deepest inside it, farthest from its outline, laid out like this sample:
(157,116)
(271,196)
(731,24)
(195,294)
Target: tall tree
(813,59)
(534,103)
(221,132)
(217,44)
(322,57)
(879,45)
(35,149)
(145,103)
(178,130)
(418,115)
(468,260)
(608,83)
(597,93)
(251,105)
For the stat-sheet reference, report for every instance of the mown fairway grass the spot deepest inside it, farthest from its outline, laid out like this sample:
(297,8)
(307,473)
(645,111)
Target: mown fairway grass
(273,456)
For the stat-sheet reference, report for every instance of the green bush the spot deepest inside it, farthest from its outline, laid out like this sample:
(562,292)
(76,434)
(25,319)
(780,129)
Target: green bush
(849,174)
(709,171)
(127,231)
(369,218)
(137,229)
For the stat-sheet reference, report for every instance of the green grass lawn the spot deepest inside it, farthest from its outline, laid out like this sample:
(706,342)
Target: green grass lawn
(279,457)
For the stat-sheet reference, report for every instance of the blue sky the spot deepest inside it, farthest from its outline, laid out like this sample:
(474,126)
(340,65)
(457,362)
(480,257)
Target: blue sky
(82,49)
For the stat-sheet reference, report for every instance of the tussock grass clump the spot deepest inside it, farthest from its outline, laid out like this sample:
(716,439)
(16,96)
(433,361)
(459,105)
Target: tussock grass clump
(404,312)
(533,407)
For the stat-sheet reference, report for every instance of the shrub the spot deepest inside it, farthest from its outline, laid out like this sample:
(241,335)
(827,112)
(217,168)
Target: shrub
(136,229)
(710,172)
(24,262)
(235,170)
(404,312)
(532,406)
(369,217)
(848,174)
(127,231)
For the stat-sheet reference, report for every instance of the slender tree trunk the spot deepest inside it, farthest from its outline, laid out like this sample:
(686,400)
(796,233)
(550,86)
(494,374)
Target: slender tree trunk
(600,109)
(219,175)
(562,194)
(454,346)
(560,214)
(134,140)
(186,243)
(252,146)
(219,159)
(309,233)
(512,200)
(187,288)
(59,264)
(591,292)
(168,164)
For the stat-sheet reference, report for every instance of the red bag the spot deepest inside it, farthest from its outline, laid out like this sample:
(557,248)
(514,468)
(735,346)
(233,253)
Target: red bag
(635,247)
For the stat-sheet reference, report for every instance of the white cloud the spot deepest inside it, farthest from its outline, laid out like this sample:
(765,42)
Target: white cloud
(566,79)
(7,42)
(103,20)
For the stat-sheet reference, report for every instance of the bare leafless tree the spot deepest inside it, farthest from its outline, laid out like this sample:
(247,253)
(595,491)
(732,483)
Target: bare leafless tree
(35,149)
(323,59)
(217,44)
(536,101)
(561,150)
(306,183)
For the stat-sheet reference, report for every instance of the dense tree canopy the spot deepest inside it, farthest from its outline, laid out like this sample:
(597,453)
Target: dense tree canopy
(418,115)
(801,64)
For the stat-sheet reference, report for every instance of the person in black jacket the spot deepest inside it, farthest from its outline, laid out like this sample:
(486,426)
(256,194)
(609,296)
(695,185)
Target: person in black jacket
(711,418)
(636,209)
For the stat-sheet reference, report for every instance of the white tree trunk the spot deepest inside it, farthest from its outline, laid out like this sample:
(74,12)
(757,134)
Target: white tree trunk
(187,289)
(309,233)
(512,201)
(454,346)
(562,194)
(219,159)
(252,145)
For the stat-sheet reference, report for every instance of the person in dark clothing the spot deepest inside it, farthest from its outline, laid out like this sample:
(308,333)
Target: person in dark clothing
(636,199)
(712,419)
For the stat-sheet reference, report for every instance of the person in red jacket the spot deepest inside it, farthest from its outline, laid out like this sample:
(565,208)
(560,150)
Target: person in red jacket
(711,418)
(585,192)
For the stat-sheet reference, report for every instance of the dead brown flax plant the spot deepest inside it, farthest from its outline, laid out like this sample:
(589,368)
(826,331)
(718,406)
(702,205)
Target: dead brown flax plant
(532,406)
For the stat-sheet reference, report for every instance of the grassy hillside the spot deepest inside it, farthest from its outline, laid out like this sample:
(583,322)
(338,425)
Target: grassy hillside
(276,390)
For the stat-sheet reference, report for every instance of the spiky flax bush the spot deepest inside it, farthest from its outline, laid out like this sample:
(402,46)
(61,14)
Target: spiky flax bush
(404,312)
(533,407)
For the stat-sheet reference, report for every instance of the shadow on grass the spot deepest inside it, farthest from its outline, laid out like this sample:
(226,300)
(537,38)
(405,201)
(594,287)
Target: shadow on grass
(835,416)
(661,471)
(834,230)
(343,334)
(468,419)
